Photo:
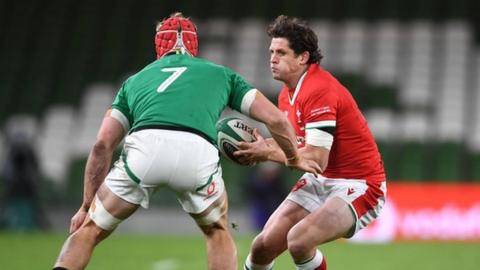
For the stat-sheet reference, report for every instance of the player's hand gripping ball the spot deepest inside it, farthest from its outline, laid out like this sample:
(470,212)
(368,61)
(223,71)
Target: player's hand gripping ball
(231,131)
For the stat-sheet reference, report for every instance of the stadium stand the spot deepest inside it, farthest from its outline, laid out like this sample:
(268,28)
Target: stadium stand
(414,69)
(54,142)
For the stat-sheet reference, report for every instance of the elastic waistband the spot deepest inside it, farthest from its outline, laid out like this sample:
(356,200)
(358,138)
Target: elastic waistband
(175,128)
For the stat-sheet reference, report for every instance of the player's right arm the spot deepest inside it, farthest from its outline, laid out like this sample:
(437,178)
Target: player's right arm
(317,153)
(282,132)
(109,136)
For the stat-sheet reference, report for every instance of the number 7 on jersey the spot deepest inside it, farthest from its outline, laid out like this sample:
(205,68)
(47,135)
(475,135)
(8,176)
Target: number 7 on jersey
(177,71)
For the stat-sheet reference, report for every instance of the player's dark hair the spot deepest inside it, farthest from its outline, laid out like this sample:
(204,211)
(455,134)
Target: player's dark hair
(300,36)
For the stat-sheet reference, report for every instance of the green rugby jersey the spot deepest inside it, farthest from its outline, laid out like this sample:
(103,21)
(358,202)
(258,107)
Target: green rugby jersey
(181,91)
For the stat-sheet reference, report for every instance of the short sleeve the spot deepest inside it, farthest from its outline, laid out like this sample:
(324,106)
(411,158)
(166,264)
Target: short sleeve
(120,104)
(239,88)
(321,110)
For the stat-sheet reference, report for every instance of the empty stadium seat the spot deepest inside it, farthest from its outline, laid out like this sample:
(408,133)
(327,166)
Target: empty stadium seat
(95,103)
(448,162)
(381,123)
(54,142)
(386,42)
(416,79)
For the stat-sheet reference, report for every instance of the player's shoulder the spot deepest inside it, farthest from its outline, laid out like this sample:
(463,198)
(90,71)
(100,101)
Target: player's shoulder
(320,82)
(318,77)
(207,63)
(212,67)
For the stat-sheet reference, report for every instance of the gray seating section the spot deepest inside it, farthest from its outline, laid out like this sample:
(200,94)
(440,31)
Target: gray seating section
(433,69)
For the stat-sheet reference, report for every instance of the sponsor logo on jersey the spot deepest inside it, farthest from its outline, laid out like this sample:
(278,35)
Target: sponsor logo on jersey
(320,110)
(350,191)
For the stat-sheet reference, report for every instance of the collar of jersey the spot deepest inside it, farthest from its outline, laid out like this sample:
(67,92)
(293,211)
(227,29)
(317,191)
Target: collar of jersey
(297,89)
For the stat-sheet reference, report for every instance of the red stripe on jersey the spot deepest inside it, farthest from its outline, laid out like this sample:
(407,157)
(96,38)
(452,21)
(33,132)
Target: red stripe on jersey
(369,200)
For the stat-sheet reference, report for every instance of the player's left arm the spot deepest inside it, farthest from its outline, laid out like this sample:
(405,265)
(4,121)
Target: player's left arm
(109,136)
(320,112)
(319,136)
(317,153)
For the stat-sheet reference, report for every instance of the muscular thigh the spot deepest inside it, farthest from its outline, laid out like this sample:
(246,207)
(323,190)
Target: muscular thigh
(282,220)
(115,205)
(214,216)
(331,221)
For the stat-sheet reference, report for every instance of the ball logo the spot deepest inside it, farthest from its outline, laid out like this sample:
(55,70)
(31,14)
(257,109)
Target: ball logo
(301,183)
(242,126)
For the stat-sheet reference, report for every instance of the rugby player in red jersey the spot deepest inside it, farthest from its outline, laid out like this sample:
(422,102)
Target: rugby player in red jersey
(331,130)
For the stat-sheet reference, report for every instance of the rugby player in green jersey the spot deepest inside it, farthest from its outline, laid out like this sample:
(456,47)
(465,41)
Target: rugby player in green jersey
(167,113)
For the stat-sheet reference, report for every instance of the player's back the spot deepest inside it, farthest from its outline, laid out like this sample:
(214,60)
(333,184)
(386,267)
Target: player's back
(182,91)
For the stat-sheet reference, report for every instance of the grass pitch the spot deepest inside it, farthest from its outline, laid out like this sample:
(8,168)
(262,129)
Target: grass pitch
(162,252)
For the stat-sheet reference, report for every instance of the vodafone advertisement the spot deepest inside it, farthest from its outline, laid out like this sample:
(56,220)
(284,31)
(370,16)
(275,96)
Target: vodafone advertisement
(427,211)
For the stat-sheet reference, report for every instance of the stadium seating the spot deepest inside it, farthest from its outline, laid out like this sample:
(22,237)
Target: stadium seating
(414,71)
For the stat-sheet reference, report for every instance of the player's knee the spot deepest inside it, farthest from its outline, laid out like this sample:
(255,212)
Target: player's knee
(91,232)
(297,244)
(258,244)
(297,247)
(265,244)
(295,233)
(88,234)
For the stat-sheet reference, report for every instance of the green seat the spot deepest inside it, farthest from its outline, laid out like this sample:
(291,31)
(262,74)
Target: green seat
(389,153)
(381,96)
(448,162)
(412,161)
(473,169)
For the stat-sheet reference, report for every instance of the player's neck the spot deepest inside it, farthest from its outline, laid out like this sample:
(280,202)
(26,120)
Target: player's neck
(292,82)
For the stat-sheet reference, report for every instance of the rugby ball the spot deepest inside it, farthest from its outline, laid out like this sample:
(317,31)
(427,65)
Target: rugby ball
(231,131)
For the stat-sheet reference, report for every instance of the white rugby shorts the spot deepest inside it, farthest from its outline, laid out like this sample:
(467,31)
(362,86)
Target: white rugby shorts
(155,158)
(365,200)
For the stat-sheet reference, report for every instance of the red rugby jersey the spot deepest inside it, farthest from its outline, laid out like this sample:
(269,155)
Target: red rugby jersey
(320,101)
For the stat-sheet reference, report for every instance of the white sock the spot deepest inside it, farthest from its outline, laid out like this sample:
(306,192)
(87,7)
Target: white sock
(251,266)
(312,263)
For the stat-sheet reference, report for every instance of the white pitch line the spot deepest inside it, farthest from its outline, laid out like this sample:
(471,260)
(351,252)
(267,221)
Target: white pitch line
(169,264)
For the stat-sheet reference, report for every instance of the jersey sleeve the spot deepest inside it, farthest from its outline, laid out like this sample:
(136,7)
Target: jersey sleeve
(239,100)
(120,108)
(320,111)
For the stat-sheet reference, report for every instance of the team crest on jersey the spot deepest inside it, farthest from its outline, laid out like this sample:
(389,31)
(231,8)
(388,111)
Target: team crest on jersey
(299,116)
